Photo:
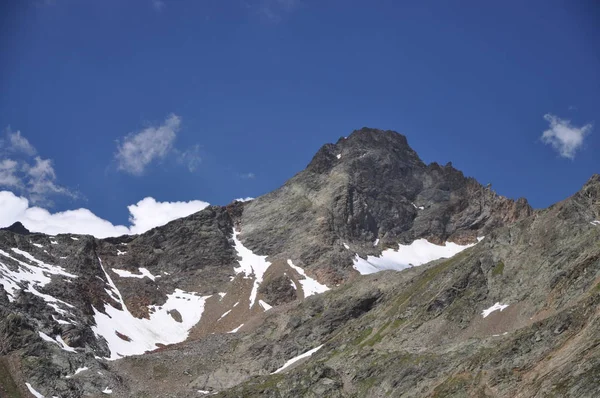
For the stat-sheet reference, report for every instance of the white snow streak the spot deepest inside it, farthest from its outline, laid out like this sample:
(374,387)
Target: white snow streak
(419,252)
(595,222)
(33,391)
(310,286)
(107,391)
(296,359)
(79,370)
(31,276)
(250,264)
(143,335)
(376,242)
(236,329)
(120,253)
(58,340)
(493,308)
(143,273)
(224,315)
(37,245)
(339,156)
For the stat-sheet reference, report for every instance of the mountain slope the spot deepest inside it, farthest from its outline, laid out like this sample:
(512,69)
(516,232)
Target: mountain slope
(515,316)
(198,291)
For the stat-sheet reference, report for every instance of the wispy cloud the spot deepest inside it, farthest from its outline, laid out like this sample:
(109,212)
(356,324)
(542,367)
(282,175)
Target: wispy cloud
(564,137)
(247,176)
(8,174)
(158,5)
(138,150)
(18,143)
(26,173)
(190,157)
(276,10)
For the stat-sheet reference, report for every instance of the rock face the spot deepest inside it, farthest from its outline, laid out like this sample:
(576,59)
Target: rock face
(186,307)
(365,188)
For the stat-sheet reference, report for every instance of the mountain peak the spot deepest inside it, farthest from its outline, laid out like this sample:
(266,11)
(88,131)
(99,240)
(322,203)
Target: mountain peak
(365,145)
(17,228)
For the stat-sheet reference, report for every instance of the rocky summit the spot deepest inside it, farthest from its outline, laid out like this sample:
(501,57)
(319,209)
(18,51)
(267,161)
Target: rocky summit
(368,274)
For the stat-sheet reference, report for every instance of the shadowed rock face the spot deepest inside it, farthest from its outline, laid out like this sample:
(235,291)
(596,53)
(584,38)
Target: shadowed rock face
(17,228)
(419,331)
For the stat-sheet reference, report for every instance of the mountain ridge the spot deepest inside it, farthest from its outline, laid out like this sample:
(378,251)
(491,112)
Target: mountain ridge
(284,249)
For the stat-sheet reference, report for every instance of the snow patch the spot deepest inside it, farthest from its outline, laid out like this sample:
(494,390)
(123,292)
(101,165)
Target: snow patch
(346,246)
(120,253)
(58,340)
(250,264)
(33,391)
(339,156)
(265,306)
(376,242)
(419,252)
(236,329)
(74,238)
(37,245)
(224,315)
(221,295)
(495,307)
(143,273)
(79,370)
(54,242)
(595,222)
(296,359)
(31,276)
(107,391)
(137,336)
(310,286)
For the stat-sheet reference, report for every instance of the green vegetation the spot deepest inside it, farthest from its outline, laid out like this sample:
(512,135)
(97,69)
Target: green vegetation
(498,269)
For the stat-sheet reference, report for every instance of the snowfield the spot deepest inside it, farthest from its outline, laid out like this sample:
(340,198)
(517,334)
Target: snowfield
(420,252)
(127,335)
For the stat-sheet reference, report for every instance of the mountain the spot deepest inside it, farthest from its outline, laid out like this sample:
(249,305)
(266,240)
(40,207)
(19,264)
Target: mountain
(220,301)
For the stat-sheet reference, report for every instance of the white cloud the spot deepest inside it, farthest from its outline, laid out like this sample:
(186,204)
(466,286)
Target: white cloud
(42,181)
(32,176)
(565,138)
(138,150)
(148,213)
(153,143)
(18,143)
(246,199)
(144,215)
(8,173)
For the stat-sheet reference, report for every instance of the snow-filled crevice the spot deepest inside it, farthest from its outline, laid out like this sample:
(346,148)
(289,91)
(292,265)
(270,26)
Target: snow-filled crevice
(251,265)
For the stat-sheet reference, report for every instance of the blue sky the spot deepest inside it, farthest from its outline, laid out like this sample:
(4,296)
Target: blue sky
(243,93)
